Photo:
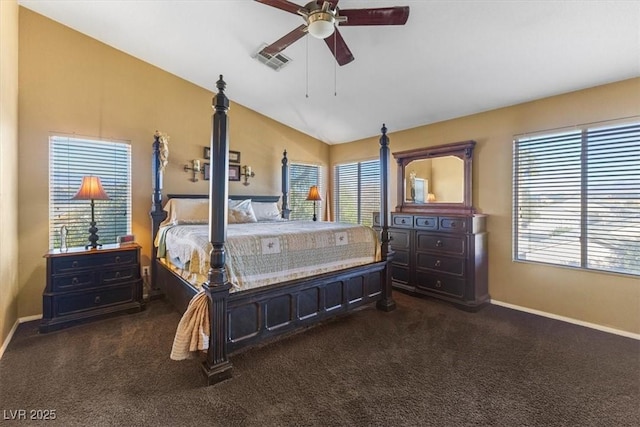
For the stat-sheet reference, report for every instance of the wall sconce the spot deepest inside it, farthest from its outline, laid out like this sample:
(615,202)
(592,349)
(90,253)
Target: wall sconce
(195,168)
(246,174)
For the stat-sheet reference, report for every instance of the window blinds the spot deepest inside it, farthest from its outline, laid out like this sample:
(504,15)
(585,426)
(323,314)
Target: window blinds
(577,198)
(69,160)
(301,178)
(357,191)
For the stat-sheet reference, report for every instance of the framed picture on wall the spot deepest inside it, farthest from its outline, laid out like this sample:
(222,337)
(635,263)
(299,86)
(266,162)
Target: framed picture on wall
(234,157)
(234,172)
(207,171)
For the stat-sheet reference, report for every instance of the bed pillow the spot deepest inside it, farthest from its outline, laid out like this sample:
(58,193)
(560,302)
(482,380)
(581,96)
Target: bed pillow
(187,211)
(241,211)
(266,211)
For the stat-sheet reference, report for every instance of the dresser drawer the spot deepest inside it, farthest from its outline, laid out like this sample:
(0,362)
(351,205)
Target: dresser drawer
(440,264)
(452,224)
(400,274)
(69,282)
(426,222)
(401,258)
(441,284)
(400,239)
(401,221)
(75,302)
(376,219)
(442,243)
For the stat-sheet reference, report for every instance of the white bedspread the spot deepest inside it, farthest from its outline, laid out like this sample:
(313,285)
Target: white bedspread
(263,253)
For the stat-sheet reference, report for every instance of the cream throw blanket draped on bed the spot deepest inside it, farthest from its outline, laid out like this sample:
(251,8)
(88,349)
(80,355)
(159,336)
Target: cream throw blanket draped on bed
(193,330)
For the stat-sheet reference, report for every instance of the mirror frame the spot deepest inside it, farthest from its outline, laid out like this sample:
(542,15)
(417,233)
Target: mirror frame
(463,150)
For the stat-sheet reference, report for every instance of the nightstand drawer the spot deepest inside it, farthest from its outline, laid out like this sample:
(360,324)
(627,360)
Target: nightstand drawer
(441,264)
(74,302)
(441,284)
(70,282)
(441,243)
(71,264)
(119,275)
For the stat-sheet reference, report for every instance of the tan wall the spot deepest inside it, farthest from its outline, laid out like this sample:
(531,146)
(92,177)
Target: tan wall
(73,84)
(609,300)
(8,166)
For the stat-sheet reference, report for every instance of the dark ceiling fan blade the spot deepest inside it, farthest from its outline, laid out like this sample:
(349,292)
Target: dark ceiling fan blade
(383,16)
(286,40)
(340,49)
(282,5)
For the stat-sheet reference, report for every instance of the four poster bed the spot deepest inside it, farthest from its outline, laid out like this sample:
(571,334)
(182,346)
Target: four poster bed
(247,302)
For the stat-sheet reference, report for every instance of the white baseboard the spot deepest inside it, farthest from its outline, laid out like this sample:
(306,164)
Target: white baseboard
(568,320)
(6,342)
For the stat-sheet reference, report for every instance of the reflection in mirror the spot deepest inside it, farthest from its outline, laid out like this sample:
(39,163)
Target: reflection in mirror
(435,180)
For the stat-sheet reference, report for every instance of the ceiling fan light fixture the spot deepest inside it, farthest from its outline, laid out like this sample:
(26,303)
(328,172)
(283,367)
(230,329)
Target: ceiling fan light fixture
(321,24)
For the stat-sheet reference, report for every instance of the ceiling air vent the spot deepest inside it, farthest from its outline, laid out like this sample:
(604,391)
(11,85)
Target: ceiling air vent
(275,62)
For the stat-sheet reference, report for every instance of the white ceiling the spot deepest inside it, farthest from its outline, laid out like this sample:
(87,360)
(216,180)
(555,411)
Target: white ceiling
(451,59)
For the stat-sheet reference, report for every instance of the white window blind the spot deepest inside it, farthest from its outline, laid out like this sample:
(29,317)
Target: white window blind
(577,198)
(69,160)
(301,178)
(357,192)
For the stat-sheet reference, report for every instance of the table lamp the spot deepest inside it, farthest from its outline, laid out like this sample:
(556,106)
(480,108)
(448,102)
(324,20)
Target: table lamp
(91,189)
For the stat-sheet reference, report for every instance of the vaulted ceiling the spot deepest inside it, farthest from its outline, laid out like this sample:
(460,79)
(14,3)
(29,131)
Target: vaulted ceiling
(451,58)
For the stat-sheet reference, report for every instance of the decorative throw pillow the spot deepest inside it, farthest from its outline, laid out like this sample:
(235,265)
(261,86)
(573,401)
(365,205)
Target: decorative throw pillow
(266,211)
(240,212)
(187,211)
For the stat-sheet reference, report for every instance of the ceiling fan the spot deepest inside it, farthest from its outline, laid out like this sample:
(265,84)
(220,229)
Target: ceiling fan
(322,19)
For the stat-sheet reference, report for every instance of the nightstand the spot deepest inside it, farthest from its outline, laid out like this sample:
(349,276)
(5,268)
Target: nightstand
(89,284)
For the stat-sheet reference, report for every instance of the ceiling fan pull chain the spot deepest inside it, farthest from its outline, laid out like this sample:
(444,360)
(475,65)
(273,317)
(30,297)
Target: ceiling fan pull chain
(335,68)
(307,89)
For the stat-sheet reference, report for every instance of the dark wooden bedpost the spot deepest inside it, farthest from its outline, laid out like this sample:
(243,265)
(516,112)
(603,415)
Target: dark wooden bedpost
(386,303)
(157,213)
(217,366)
(285,186)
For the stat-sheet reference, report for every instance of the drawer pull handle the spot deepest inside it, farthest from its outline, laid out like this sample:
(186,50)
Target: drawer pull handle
(439,243)
(74,281)
(454,224)
(117,259)
(97,300)
(403,221)
(438,284)
(438,263)
(74,264)
(117,274)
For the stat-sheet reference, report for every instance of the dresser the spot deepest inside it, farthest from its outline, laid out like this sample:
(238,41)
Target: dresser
(442,256)
(89,284)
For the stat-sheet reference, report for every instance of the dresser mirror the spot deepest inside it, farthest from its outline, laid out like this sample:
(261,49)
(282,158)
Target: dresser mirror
(436,178)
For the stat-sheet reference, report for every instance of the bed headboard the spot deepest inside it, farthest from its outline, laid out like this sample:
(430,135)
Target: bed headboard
(270,199)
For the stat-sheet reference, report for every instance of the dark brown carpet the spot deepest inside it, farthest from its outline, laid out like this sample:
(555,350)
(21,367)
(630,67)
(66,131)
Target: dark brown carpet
(425,364)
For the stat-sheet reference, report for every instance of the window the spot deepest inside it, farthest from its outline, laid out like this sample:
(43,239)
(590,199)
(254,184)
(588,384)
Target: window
(301,177)
(577,198)
(69,160)
(357,192)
